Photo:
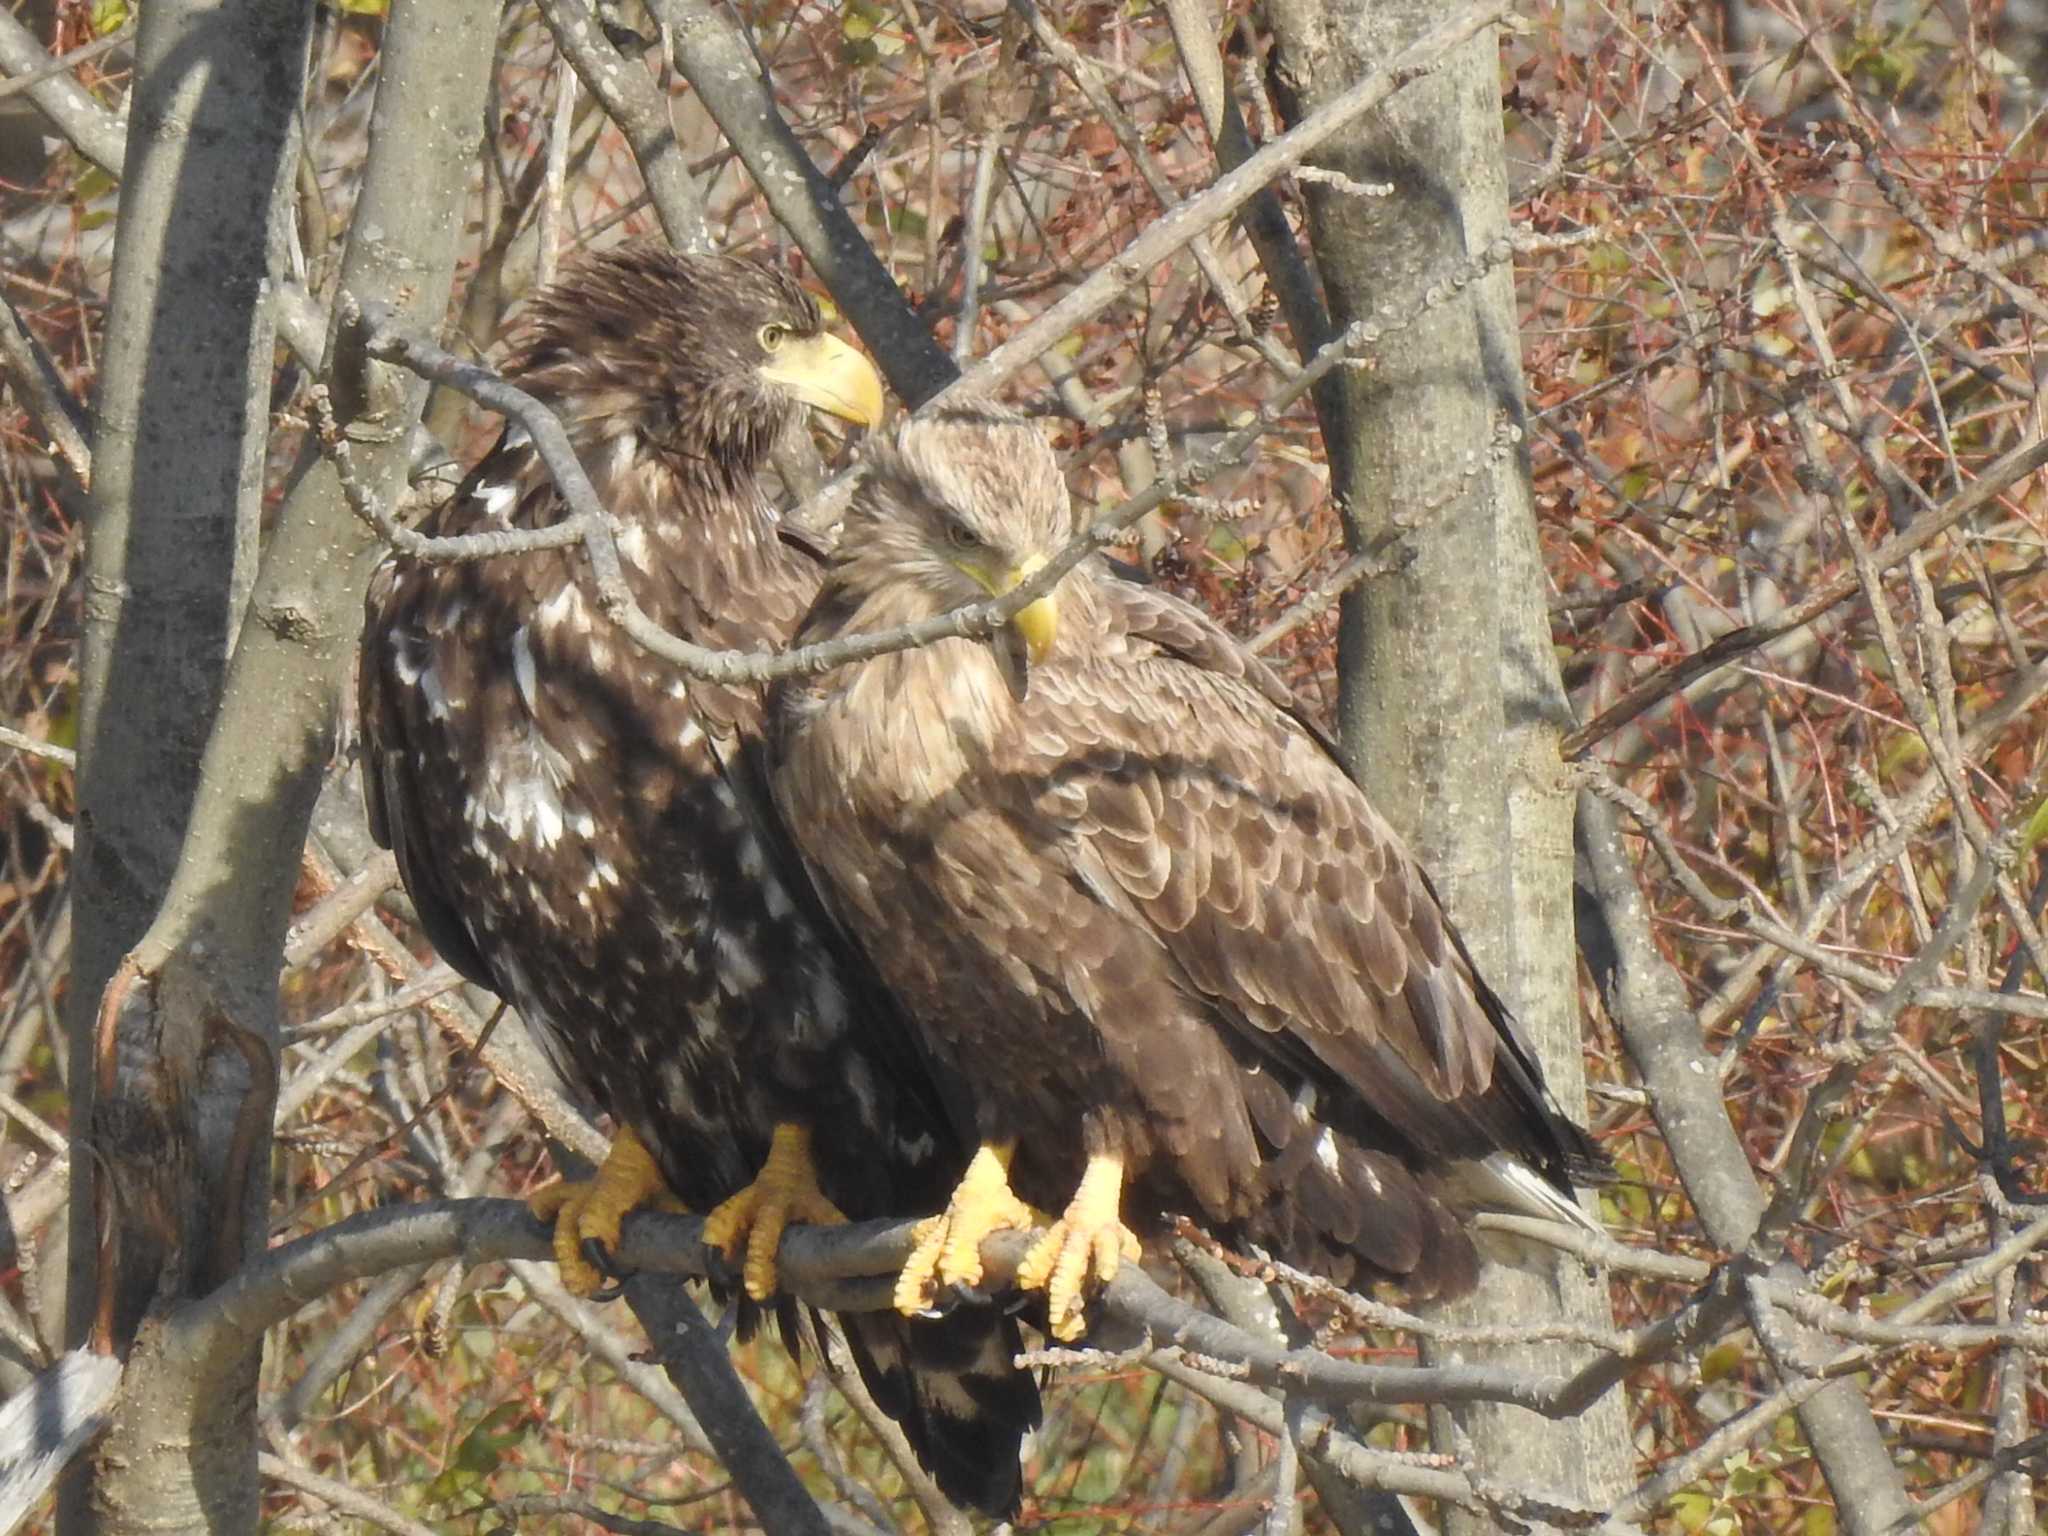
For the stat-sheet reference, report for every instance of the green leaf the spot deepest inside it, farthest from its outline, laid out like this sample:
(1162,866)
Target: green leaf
(484,1447)
(1608,259)
(1228,545)
(907,222)
(1724,1359)
(860,20)
(94,184)
(1694,1508)
(2037,826)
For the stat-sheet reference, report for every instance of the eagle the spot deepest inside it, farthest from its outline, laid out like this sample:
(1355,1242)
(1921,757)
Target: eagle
(1164,957)
(588,832)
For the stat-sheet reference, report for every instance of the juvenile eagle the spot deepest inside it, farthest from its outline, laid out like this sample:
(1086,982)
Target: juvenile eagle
(587,832)
(1160,949)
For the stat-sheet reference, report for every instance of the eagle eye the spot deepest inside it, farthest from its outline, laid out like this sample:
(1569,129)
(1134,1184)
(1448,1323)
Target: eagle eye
(962,537)
(773,335)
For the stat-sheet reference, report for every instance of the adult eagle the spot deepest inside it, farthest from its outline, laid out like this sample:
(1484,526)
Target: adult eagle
(587,832)
(1163,954)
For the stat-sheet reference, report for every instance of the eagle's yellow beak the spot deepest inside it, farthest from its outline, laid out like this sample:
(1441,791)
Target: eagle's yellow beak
(1038,622)
(824,372)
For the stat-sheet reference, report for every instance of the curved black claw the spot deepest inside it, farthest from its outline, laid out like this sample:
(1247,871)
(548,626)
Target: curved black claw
(956,1295)
(722,1271)
(606,1263)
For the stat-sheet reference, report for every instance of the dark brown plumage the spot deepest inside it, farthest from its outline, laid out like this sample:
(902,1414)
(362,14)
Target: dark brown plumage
(1149,929)
(585,830)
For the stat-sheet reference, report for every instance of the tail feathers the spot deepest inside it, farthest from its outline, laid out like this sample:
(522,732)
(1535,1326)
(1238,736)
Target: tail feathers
(1502,1183)
(951,1383)
(1355,1217)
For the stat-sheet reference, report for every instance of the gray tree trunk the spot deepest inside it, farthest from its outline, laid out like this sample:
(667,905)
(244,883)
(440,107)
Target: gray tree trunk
(1447,662)
(182,414)
(198,1027)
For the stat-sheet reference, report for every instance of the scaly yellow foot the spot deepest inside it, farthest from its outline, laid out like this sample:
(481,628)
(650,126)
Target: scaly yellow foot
(594,1208)
(948,1247)
(1083,1250)
(785,1190)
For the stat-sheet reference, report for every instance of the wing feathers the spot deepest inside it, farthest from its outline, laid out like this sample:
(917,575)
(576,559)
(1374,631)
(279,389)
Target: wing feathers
(1214,955)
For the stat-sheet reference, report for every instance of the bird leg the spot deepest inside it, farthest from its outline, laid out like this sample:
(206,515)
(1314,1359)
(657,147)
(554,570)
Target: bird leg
(1084,1248)
(591,1210)
(785,1190)
(947,1251)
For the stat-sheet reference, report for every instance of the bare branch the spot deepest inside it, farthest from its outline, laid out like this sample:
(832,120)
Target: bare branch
(103,139)
(588,523)
(721,68)
(629,98)
(843,1269)
(696,1359)
(1230,192)
(1648,1001)
(1360,567)
(340,1495)
(45,1425)
(83,54)
(1287,272)
(93,131)
(63,757)
(1085,75)
(53,405)
(1993,481)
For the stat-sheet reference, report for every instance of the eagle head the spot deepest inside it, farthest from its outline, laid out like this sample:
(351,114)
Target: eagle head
(703,359)
(963,503)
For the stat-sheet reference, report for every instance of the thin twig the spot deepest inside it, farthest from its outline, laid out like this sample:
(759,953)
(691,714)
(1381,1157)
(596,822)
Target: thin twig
(1993,481)
(44,392)
(64,757)
(588,524)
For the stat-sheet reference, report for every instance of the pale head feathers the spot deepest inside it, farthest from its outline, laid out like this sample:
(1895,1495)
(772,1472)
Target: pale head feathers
(952,502)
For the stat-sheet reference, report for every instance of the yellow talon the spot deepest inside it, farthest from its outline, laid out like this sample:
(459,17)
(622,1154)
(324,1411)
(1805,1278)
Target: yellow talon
(785,1190)
(948,1247)
(581,1209)
(1084,1249)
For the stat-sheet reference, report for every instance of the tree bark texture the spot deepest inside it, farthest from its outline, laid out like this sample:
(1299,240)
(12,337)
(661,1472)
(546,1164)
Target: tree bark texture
(198,1022)
(1450,703)
(182,412)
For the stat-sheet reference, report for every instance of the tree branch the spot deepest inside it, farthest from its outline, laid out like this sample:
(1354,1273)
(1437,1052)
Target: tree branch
(589,524)
(840,1269)
(44,391)
(1648,1002)
(697,1361)
(624,89)
(721,68)
(1230,192)
(102,138)
(1992,482)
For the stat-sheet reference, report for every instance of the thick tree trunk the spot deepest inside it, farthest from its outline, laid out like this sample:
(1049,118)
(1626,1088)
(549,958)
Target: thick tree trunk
(1446,662)
(182,414)
(196,997)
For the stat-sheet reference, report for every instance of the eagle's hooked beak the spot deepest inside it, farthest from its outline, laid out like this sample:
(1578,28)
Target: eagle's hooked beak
(1038,622)
(826,373)
(1027,639)
(1031,631)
